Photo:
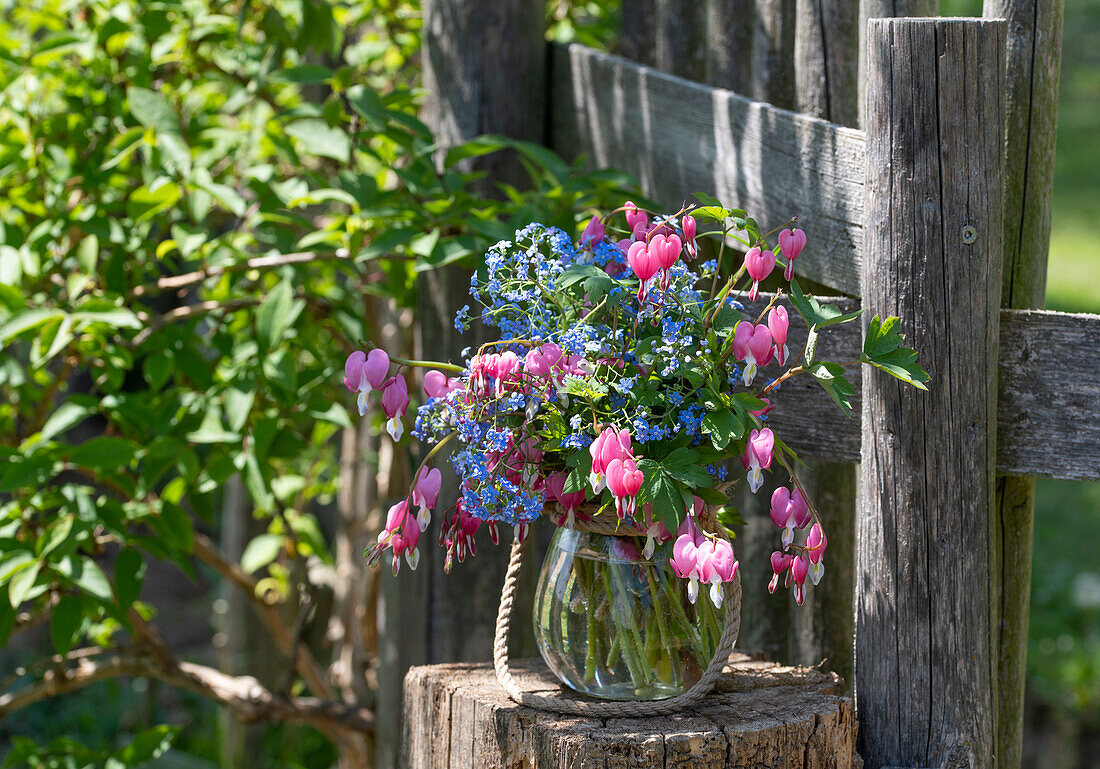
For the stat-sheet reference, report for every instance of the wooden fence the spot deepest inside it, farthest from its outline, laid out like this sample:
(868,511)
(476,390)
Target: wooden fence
(938,210)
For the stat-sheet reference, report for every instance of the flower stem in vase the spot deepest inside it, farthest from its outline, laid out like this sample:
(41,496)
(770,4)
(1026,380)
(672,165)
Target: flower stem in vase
(629,642)
(690,631)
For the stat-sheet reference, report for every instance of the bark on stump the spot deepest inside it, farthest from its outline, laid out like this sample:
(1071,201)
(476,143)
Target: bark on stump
(761,715)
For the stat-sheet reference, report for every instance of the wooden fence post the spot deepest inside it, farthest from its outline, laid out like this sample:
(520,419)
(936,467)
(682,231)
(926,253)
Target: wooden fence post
(1031,113)
(925,648)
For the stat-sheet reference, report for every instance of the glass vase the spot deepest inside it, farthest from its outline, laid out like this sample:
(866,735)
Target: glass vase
(613,624)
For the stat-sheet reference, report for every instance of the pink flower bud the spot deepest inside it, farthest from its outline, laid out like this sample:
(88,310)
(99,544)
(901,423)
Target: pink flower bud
(426,492)
(758,456)
(800,567)
(791,243)
(816,543)
(395,398)
(688,227)
(683,561)
(436,384)
(759,264)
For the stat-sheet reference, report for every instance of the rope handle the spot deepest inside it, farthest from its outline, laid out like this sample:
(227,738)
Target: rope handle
(604,709)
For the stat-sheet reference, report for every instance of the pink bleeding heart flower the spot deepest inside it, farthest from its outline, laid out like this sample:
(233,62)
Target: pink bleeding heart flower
(752,345)
(758,456)
(505,368)
(684,563)
(780,563)
(778,323)
(458,536)
(400,535)
(644,263)
(436,384)
(791,243)
(554,490)
(656,534)
(426,494)
(799,569)
(594,233)
(365,372)
(609,445)
(688,226)
(395,401)
(722,568)
(667,256)
(789,511)
(634,216)
(624,480)
(759,264)
(816,543)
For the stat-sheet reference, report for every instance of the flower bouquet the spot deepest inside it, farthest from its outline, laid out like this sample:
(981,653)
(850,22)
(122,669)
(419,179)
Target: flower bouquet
(628,372)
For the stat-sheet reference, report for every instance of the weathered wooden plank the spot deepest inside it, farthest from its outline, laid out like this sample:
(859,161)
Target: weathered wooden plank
(679,137)
(762,715)
(1031,110)
(1039,429)
(925,627)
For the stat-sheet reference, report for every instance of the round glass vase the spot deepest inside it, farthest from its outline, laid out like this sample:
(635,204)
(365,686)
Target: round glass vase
(613,624)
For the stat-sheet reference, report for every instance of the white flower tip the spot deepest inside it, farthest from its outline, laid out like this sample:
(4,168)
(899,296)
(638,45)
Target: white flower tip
(817,571)
(693,590)
(395,428)
(756,479)
(716,595)
(423,518)
(413,558)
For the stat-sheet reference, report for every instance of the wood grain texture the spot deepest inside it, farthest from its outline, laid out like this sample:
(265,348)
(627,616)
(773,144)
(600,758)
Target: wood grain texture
(925,637)
(729,25)
(826,60)
(637,30)
(1031,110)
(877,9)
(679,137)
(761,715)
(681,38)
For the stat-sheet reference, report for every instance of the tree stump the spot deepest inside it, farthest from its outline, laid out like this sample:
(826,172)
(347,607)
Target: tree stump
(761,715)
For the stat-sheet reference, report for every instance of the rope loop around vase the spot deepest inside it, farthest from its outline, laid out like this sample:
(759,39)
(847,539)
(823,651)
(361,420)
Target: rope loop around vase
(608,709)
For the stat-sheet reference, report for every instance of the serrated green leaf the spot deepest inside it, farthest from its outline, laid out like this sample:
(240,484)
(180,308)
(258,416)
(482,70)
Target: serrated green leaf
(831,378)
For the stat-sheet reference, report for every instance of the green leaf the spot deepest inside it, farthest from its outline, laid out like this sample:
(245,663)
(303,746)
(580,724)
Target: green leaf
(25,320)
(22,582)
(711,495)
(86,574)
(116,317)
(174,526)
(817,314)
(152,110)
(104,453)
(148,201)
(577,480)
(722,426)
(668,503)
(303,73)
(319,138)
(261,551)
(712,213)
(149,745)
(65,623)
(129,573)
(831,378)
(274,314)
(811,345)
(66,415)
(883,349)
(55,535)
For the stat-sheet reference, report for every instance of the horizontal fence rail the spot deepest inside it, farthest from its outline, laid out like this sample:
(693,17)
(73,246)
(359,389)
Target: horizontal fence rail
(1040,431)
(678,137)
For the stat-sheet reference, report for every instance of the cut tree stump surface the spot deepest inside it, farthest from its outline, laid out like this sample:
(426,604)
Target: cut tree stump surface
(761,715)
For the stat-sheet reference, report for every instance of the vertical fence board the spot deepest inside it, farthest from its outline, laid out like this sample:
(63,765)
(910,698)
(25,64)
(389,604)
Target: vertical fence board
(826,60)
(1031,113)
(637,29)
(680,41)
(876,9)
(729,25)
(773,52)
(925,658)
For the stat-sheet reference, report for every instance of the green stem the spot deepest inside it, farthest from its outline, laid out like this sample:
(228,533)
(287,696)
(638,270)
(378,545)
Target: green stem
(627,648)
